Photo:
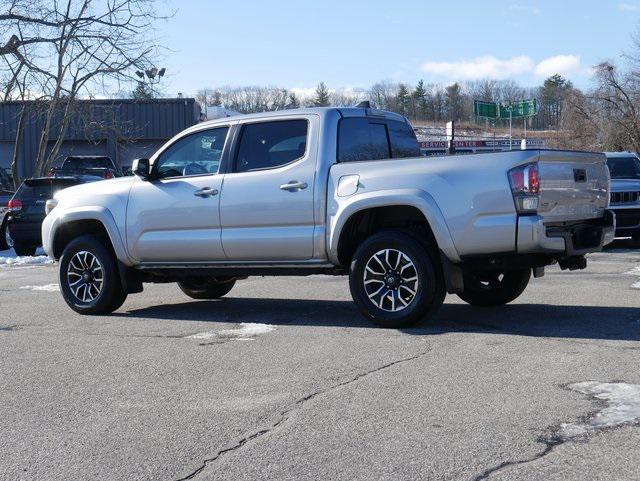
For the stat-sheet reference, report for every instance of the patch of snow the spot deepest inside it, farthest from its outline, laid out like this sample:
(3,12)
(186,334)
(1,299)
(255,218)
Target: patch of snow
(10,259)
(634,272)
(635,285)
(623,407)
(46,287)
(245,332)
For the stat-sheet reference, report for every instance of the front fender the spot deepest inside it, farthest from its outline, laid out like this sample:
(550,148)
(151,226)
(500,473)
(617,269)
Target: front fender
(56,220)
(421,200)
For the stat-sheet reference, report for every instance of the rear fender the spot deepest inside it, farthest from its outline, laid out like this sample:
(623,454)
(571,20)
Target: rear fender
(348,206)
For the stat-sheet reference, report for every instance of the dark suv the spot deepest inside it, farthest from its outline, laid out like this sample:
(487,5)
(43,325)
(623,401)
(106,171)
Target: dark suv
(27,209)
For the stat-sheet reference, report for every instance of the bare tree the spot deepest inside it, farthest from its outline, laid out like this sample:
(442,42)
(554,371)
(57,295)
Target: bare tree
(74,48)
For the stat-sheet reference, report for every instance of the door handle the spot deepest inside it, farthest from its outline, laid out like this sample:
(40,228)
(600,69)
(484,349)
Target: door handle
(205,192)
(294,186)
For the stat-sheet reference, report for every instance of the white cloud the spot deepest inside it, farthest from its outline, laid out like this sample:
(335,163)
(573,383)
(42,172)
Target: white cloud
(560,64)
(480,67)
(517,7)
(629,7)
(494,68)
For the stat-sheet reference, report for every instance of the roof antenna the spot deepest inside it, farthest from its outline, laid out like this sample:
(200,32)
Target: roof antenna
(365,104)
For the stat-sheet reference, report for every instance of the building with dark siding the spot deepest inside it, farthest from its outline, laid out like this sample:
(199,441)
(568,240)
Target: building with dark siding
(123,129)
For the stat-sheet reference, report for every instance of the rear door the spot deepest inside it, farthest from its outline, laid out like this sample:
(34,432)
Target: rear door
(267,203)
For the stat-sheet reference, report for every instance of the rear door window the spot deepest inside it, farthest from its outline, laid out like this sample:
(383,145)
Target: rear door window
(403,140)
(267,145)
(361,138)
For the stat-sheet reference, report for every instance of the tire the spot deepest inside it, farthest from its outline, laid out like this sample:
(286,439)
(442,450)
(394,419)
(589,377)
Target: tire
(24,249)
(101,291)
(486,289)
(206,288)
(5,239)
(410,279)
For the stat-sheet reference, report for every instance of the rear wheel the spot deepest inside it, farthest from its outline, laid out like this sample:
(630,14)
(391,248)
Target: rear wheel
(206,288)
(394,279)
(494,288)
(24,249)
(89,278)
(6,242)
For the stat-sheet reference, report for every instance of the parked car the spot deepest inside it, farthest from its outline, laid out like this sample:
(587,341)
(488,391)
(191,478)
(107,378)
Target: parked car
(27,210)
(340,191)
(624,168)
(97,165)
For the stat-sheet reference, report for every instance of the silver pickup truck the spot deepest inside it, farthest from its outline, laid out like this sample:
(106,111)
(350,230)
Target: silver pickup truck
(340,191)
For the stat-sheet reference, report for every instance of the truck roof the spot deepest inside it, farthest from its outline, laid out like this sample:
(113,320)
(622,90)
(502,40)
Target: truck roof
(322,111)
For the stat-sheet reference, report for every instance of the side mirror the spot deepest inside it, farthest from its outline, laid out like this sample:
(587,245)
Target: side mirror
(141,168)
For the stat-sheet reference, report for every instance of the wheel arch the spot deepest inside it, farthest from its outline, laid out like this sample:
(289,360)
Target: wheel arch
(97,221)
(388,209)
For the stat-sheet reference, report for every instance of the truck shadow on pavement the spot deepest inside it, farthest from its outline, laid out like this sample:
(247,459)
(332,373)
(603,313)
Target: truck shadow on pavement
(535,320)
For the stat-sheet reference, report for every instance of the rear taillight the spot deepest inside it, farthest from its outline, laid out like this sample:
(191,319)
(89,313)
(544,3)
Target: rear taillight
(525,187)
(108,175)
(14,205)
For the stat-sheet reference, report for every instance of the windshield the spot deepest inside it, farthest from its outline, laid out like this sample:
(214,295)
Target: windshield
(624,167)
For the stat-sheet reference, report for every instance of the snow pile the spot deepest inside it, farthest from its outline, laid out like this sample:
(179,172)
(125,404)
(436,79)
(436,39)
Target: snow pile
(245,332)
(634,272)
(11,259)
(623,407)
(46,287)
(635,285)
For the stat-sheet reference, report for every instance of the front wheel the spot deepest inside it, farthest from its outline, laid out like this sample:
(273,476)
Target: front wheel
(89,279)
(206,288)
(488,289)
(394,279)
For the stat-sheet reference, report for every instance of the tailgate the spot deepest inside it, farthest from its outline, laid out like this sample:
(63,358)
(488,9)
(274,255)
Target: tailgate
(573,185)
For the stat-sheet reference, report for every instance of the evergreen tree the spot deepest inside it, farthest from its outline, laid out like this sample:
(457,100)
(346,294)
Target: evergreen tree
(402,99)
(420,99)
(292,101)
(552,95)
(142,92)
(321,98)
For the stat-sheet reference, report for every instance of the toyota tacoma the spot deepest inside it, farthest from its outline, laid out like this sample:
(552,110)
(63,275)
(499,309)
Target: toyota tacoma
(341,191)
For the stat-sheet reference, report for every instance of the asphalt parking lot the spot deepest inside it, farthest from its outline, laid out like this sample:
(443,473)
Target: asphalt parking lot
(284,380)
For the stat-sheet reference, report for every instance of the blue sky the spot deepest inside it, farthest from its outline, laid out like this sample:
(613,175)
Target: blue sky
(354,43)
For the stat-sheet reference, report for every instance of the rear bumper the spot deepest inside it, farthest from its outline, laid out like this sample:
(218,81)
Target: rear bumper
(534,236)
(627,220)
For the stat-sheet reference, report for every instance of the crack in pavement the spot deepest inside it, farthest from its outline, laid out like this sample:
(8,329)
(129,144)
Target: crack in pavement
(285,414)
(550,445)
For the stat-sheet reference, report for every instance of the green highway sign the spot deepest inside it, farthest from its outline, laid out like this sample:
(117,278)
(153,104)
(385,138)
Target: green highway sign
(519,109)
(485,109)
(513,110)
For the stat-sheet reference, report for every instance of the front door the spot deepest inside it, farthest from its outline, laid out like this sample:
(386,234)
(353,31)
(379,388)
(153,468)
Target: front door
(176,216)
(267,203)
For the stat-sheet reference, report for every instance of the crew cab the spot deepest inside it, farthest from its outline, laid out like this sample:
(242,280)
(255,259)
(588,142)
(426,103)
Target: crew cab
(340,191)
(624,168)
